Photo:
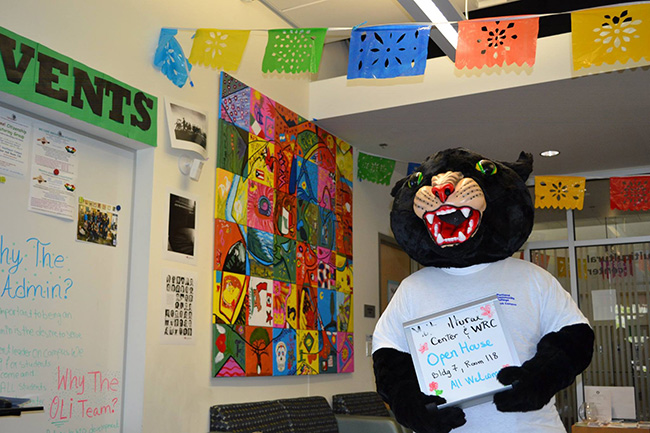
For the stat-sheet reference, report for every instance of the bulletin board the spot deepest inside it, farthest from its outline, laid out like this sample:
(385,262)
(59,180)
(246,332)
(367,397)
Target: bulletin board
(64,280)
(458,352)
(283,287)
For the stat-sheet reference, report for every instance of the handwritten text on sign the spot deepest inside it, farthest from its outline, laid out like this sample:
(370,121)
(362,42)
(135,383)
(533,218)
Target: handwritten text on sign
(458,354)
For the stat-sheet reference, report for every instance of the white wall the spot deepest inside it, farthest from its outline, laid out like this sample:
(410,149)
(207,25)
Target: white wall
(168,388)
(333,95)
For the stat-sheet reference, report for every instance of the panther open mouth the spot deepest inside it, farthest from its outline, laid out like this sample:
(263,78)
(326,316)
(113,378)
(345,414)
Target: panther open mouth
(450,225)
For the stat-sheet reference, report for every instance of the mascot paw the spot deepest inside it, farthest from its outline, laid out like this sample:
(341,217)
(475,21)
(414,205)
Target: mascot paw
(528,392)
(560,357)
(398,385)
(448,418)
(422,414)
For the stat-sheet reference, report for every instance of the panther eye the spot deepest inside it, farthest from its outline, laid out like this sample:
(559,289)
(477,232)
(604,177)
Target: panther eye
(415,180)
(486,166)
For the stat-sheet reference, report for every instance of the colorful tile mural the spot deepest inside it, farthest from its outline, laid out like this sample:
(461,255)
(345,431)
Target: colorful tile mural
(282,297)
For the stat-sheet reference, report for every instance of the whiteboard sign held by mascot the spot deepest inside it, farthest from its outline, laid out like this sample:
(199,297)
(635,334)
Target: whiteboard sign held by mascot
(463,216)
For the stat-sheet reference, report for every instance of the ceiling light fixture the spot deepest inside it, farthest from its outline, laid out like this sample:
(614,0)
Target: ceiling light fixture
(441,13)
(550,153)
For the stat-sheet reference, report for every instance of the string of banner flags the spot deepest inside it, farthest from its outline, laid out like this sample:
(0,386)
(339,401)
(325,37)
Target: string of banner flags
(603,35)
(560,192)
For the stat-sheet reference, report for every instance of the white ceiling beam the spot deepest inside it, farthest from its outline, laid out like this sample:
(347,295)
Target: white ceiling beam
(444,33)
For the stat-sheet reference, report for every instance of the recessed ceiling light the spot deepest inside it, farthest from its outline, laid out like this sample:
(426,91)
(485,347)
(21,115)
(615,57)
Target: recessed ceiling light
(550,153)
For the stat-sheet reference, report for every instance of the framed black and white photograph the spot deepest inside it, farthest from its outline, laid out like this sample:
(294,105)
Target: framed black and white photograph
(180,242)
(188,127)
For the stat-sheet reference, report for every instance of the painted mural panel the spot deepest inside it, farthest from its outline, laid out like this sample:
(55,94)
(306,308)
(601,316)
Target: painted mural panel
(282,267)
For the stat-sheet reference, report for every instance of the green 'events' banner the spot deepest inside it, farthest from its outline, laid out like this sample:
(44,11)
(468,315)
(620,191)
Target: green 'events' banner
(37,74)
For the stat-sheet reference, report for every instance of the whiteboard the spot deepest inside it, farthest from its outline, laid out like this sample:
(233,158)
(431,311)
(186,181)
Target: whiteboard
(62,300)
(457,353)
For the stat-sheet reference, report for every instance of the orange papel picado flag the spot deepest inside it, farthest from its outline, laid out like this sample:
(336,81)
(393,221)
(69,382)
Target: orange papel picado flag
(497,42)
(222,49)
(608,35)
(560,192)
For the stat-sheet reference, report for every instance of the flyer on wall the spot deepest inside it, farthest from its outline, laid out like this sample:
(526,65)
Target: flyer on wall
(179,289)
(54,173)
(14,141)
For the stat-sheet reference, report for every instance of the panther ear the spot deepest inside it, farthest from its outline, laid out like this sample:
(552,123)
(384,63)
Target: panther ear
(397,186)
(523,166)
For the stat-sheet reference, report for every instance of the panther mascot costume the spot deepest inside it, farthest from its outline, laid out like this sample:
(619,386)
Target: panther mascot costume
(462,217)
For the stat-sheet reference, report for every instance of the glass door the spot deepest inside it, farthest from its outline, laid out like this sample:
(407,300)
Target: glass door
(614,287)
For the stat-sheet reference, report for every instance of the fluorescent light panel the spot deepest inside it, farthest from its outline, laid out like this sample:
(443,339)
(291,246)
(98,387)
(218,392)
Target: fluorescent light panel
(429,8)
(442,14)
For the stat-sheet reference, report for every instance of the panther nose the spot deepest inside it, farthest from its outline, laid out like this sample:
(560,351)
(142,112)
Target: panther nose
(443,191)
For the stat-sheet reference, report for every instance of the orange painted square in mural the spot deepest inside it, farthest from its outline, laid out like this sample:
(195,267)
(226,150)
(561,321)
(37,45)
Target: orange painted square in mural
(259,351)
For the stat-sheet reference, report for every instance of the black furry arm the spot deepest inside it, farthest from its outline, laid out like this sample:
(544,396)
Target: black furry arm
(398,386)
(560,357)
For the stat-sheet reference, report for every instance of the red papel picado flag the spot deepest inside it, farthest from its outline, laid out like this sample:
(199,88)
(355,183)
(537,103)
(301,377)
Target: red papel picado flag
(497,42)
(629,193)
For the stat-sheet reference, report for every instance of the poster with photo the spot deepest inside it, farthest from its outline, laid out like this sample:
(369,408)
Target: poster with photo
(188,127)
(97,222)
(178,299)
(181,226)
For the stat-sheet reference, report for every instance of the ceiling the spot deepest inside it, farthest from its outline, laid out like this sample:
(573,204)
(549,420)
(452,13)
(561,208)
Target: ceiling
(597,122)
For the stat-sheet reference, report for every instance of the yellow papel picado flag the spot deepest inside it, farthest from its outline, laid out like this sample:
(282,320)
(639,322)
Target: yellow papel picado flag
(222,49)
(608,35)
(561,192)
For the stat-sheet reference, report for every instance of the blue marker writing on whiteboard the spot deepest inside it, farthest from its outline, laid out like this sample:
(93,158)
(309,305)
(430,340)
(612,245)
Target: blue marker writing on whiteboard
(10,256)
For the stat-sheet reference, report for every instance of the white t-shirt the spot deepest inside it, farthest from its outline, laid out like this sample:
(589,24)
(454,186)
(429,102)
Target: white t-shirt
(533,304)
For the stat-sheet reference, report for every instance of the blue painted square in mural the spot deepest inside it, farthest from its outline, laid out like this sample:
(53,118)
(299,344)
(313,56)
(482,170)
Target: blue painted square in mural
(307,181)
(326,228)
(327,305)
(284,352)
(388,51)
(260,253)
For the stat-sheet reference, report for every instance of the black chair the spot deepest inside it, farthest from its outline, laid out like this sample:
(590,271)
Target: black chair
(364,404)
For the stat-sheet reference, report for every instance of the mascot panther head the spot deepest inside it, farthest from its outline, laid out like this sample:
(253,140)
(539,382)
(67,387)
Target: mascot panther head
(460,209)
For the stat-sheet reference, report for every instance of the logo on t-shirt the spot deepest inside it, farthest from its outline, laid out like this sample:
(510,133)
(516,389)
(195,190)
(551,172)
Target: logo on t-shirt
(506,299)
